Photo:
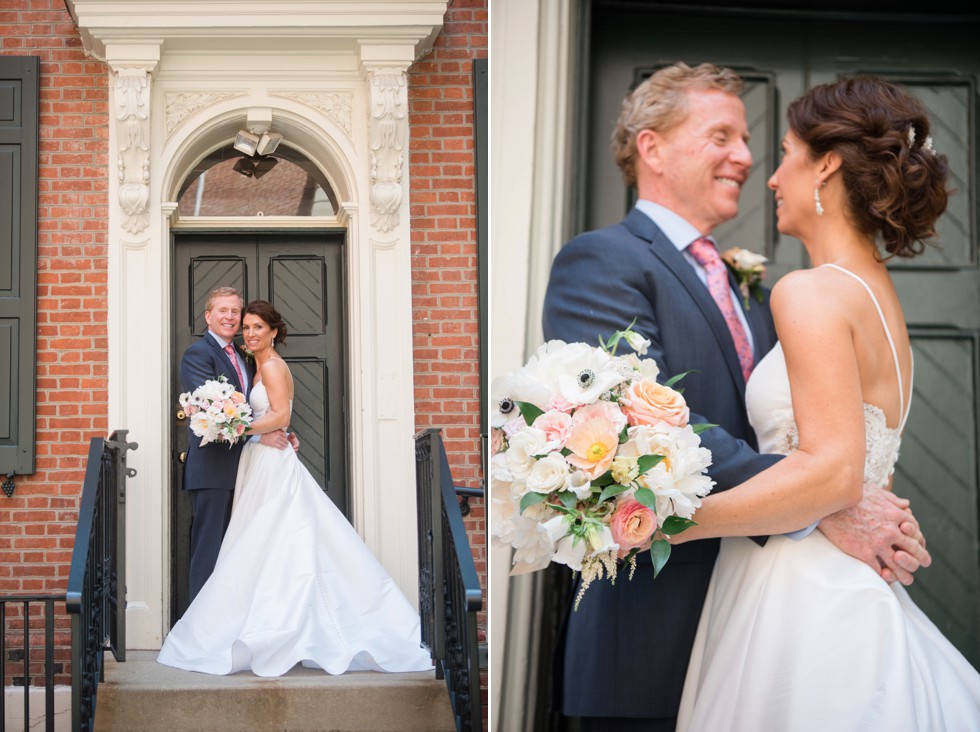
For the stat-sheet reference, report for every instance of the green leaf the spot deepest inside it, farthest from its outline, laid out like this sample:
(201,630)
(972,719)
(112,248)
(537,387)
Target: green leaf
(529,411)
(659,554)
(647,497)
(674,525)
(532,499)
(568,499)
(758,293)
(646,462)
(674,379)
(702,427)
(603,480)
(614,490)
(624,435)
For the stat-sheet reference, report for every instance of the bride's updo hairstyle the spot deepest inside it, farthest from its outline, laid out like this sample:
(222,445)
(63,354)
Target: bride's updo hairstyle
(271,316)
(896,183)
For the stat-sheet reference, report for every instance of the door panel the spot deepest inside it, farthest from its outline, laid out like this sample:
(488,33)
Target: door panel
(940,291)
(302,276)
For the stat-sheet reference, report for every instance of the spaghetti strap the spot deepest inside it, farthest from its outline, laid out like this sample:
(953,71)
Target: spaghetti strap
(902,407)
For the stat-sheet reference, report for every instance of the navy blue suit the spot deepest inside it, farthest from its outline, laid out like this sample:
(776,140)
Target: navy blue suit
(624,652)
(210,471)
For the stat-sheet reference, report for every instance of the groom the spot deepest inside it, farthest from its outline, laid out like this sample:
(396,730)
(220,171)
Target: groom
(210,470)
(682,141)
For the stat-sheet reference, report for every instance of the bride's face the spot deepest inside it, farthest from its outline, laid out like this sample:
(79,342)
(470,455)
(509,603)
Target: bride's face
(257,333)
(793,183)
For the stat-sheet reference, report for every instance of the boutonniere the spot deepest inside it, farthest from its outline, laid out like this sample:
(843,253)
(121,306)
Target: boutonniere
(249,356)
(749,269)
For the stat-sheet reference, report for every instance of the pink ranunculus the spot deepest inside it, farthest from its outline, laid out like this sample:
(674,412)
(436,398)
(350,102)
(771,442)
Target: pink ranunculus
(240,429)
(557,426)
(632,525)
(649,402)
(593,445)
(190,409)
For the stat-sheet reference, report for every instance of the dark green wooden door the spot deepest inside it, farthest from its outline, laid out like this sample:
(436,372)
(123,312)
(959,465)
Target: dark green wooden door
(940,291)
(302,275)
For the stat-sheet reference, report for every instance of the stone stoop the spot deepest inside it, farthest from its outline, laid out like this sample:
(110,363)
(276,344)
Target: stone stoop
(144,695)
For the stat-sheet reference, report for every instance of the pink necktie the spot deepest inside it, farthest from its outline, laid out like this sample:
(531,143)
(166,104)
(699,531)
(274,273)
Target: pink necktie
(230,350)
(706,254)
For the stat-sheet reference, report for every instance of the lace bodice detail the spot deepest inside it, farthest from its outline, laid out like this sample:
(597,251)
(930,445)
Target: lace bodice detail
(770,408)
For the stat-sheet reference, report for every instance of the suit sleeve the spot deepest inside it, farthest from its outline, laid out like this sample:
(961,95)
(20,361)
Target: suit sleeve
(598,285)
(197,366)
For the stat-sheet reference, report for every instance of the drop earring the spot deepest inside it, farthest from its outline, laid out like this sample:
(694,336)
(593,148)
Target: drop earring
(816,198)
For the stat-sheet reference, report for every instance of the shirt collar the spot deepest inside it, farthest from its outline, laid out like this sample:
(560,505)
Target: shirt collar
(677,229)
(221,341)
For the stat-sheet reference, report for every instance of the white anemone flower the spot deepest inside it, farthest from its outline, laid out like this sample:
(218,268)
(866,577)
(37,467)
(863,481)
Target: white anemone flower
(588,376)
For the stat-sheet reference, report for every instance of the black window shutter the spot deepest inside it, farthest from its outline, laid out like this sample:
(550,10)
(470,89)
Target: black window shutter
(19,91)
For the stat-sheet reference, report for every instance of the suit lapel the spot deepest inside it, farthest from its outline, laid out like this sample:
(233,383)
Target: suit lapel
(231,371)
(662,248)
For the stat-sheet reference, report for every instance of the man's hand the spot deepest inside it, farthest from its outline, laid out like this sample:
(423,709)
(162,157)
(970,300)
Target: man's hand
(882,532)
(279,440)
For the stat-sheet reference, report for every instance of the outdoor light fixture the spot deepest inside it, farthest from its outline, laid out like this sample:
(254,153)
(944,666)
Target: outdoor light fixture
(257,148)
(247,142)
(268,143)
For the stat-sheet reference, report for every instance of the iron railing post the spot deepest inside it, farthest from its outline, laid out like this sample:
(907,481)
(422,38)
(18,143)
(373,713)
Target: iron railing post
(96,596)
(448,582)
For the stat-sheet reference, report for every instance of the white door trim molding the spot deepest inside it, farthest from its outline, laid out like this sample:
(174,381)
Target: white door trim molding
(331,76)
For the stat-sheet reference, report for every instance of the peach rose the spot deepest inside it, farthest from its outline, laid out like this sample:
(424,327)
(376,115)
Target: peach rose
(237,397)
(649,402)
(632,525)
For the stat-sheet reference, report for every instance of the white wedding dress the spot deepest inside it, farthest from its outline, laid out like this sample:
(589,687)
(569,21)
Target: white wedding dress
(293,583)
(798,636)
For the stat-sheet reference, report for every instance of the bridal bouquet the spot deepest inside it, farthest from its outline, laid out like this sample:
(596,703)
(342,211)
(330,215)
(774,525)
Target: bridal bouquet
(593,460)
(218,412)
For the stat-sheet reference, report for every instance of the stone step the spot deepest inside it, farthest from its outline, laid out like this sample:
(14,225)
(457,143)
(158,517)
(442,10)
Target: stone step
(141,694)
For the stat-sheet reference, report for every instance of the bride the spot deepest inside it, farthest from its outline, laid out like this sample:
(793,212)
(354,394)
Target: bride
(293,582)
(797,635)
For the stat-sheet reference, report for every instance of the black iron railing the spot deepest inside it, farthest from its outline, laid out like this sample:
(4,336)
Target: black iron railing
(24,613)
(449,588)
(96,596)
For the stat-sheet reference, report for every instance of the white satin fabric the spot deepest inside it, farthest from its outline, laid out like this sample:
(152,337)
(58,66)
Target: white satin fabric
(293,583)
(798,636)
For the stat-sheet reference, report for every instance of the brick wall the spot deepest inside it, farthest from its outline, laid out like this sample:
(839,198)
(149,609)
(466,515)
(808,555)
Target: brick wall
(444,254)
(37,524)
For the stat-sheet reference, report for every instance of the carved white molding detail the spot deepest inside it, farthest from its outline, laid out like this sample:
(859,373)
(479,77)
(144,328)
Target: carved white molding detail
(388,131)
(181,105)
(133,127)
(337,106)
